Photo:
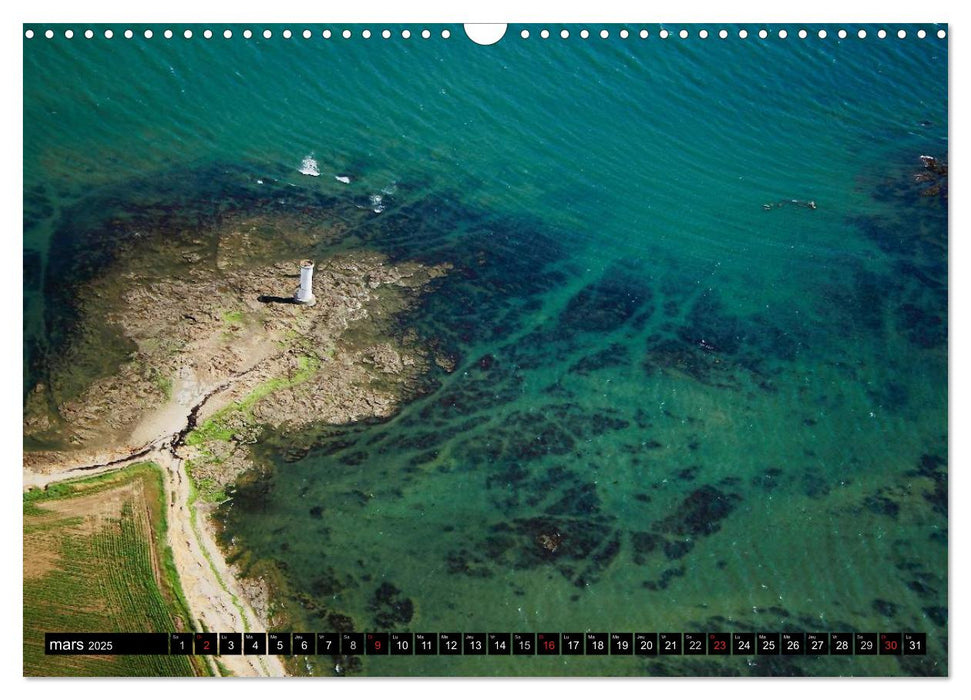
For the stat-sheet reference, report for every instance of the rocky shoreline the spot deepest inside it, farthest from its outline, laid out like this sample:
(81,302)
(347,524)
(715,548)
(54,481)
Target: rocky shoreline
(216,351)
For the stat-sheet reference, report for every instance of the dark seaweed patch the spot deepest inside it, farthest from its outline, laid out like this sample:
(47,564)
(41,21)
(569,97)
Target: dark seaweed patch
(598,561)
(710,327)
(714,347)
(577,500)
(579,549)
(688,473)
(643,544)
(891,396)
(920,588)
(700,513)
(675,549)
(37,206)
(768,480)
(934,468)
(937,497)
(913,235)
(328,584)
(391,609)
(686,358)
(937,615)
(882,504)
(614,355)
(607,304)
(814,485)
(354,459)
(33,269)
(923,327)
(884,607)
(340,623)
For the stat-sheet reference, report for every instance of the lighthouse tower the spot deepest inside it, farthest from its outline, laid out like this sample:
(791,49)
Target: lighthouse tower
(305,292)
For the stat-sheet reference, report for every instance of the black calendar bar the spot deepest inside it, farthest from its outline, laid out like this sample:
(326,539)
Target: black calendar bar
(105,644)
(528,644)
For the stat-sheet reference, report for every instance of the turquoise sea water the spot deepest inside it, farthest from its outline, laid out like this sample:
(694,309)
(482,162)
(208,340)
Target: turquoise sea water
(736,419)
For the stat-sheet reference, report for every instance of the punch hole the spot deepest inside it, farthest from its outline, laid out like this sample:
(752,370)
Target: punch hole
(187,33)
(861,33)
(564,34)
(901,34)
(446,34)
(267,34)
(743,34)
(326,34)
(703,34)
(69,34)
(882,34)
(149,34)
(841,33)
(822,33)
(663,33)
(604,33)
(803,33)
(941,34)
(406,34)
(88,34)
(306,34)
(524,34)
(643,34)
(783,33)
(366,33)
(346,33)
(723,34)
(386,34)
(486,34)
(763,34)
(29,34)
(545,34)
(425,34)
(584,34)
(129,33)
(247,34)
(287,34)
(167,34)
(921,34)
(49,34)
(624,33)
(207,34)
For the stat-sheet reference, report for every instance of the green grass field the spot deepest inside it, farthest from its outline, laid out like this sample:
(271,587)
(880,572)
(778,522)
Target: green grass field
(96,560)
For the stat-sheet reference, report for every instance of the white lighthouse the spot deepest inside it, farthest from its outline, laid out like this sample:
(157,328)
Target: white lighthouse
(305,292)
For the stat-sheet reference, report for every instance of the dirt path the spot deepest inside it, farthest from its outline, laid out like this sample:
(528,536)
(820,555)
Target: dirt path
(215,598)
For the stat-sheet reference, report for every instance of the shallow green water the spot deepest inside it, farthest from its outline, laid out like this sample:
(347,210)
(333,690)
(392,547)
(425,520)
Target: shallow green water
(735,418)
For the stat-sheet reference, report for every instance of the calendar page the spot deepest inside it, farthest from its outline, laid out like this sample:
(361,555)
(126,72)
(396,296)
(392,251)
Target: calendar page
(521,350)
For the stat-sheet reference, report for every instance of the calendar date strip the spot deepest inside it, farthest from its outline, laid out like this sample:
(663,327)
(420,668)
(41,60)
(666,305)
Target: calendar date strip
(490,643)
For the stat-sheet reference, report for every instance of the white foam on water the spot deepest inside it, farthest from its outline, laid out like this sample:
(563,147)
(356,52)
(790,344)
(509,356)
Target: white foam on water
(343,178)
(376,203)
(309,166)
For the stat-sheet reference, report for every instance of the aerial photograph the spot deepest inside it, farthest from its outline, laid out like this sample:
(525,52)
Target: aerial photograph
(593,350)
